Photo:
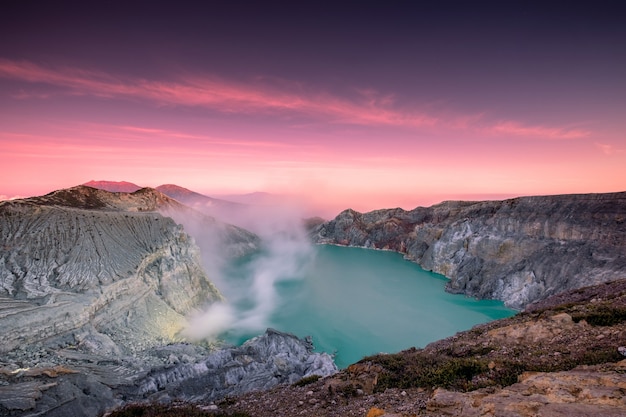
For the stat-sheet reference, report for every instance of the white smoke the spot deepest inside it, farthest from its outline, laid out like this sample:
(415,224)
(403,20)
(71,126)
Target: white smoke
(216,319)
(252,300)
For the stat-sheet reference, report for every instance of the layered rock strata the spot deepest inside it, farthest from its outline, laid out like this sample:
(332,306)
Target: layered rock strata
(94,290)
(84,256)
(519,250)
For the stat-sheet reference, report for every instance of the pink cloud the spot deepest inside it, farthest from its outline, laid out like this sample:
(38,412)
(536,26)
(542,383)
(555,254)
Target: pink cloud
(518,129)
(608,149)
(259,97)
(216,94)
(101,141)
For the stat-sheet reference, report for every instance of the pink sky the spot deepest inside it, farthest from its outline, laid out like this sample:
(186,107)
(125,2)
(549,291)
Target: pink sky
(363,143)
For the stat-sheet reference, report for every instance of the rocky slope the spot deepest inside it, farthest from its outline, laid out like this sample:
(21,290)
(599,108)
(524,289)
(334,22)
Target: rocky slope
(518,250)
(259,364)
(92,285)
(73,382)
(82,256)
(114,186)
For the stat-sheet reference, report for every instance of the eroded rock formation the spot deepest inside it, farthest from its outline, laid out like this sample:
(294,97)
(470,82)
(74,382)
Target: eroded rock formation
(94,290)
(259,364)
(82,256)
(75,382)
(519,250)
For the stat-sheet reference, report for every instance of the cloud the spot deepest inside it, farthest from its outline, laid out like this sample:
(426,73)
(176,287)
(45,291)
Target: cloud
(263,96)
(608,149)
(518,129)
(217,94)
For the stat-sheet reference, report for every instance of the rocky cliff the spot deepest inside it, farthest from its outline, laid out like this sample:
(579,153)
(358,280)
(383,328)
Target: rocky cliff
(518,250)
(82,256)
(73,381)
(94,290)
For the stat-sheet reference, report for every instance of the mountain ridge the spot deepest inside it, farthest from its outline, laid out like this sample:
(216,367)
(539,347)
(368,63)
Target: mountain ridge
(114,186)
(517,250)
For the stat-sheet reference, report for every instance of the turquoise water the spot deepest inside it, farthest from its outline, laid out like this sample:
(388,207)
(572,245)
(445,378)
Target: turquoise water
(357,302)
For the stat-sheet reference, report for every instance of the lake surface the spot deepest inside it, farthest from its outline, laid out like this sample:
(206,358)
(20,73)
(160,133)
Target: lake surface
(354,302)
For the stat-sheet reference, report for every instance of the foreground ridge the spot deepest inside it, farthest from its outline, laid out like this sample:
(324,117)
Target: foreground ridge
(560,357)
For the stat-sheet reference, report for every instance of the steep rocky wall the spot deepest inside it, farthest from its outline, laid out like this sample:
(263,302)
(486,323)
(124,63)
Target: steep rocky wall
(94,290)
(518,250)
(62,267)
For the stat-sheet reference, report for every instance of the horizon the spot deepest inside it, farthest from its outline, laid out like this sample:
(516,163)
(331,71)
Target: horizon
(302,206)
(346,106)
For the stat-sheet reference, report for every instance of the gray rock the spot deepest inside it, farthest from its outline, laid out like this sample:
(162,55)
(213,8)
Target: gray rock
(519,250)
(261,363)
(94,288)
(111,260)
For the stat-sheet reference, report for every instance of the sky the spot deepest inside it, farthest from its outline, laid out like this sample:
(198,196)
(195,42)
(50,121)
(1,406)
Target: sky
(348,104)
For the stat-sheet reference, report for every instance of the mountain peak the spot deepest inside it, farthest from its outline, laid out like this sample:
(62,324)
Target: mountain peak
(86,197)
(114,186)
(176,191)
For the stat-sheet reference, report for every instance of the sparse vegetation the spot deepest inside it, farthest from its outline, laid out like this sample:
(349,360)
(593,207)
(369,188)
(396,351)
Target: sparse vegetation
(474,360)
(420,369)
(602,315)
(170,410)
(306,381)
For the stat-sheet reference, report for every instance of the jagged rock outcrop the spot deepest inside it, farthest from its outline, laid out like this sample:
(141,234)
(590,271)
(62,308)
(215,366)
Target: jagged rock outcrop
(90,384)
(518,250)
(259,364)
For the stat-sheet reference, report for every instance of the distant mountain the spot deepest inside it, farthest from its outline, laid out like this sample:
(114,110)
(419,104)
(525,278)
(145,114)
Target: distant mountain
(226,211)
(88,197)
(237,209)
(194,199)
(258,199)
(114,186)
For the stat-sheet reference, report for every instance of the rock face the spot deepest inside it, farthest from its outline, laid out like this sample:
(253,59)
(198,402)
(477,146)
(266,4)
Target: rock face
(519,250)
(83,256)
(90,384)
(259,364)
(93,284)
(584,391)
